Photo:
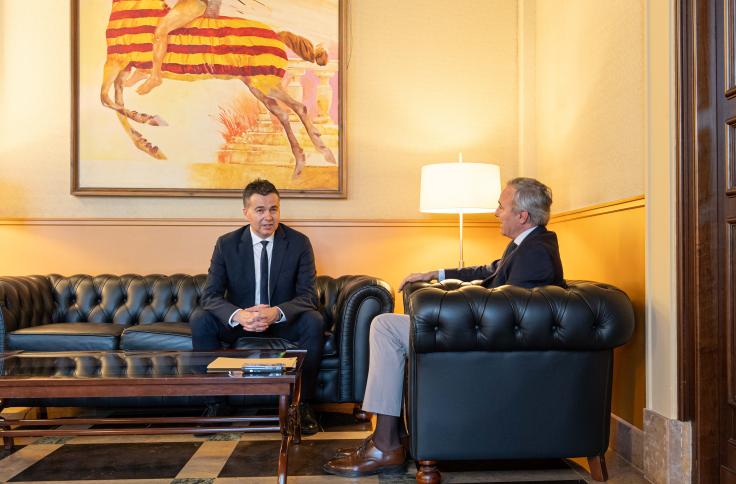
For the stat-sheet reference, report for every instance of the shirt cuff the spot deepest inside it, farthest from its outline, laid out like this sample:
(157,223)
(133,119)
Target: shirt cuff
(231,322)
(441,275)
(282,319)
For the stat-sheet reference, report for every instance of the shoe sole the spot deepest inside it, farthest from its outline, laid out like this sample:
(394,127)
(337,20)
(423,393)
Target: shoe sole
(397,469)
(310,432)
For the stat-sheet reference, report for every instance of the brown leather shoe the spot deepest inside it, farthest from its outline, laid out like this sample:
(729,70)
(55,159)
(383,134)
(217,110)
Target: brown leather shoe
(366,461)
(346,451)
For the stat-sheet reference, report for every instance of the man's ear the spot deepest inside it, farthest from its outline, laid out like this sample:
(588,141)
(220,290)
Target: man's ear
(524,216)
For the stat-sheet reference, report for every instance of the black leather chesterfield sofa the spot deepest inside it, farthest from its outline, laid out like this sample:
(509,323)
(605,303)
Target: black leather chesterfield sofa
(512,373)
(152,312)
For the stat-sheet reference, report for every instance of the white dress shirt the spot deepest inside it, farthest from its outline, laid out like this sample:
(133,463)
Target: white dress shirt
(257,250)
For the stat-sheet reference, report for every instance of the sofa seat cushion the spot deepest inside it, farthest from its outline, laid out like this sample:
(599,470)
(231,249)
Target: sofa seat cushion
(67,337)
(257,343)
(157,336)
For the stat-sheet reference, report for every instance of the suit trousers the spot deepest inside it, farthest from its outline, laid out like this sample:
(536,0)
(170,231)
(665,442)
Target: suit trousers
(389,345)
(306,330)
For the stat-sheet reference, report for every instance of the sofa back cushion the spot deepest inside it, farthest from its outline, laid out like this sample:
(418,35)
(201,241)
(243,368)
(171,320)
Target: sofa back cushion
(127,300)
(25,301)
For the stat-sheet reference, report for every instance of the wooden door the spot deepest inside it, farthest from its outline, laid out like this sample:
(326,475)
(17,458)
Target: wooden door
(725,194)
(706,240)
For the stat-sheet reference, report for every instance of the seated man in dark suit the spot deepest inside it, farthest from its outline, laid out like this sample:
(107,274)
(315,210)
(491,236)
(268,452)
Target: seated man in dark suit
(531,259)
(261,282)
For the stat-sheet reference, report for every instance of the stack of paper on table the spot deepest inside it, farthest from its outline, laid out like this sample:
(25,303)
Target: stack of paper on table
(224,364)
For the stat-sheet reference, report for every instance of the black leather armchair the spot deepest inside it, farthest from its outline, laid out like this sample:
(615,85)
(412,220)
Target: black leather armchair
(152,312)
(512,373)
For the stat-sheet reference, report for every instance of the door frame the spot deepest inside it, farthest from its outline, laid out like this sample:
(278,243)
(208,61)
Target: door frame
(697,233)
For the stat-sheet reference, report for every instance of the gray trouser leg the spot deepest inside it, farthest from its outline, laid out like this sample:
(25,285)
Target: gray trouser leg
(389,343)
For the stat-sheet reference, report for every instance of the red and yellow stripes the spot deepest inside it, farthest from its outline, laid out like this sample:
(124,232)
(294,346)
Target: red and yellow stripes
(207,47)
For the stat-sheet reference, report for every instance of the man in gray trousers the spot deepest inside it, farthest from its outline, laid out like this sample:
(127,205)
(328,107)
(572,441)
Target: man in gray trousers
(531,259)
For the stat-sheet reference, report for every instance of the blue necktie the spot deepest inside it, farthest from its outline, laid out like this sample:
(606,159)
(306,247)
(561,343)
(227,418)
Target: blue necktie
(264,273)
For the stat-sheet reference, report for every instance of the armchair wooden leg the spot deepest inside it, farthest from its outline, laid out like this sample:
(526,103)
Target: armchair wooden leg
(427,472)
(598,469)
(360,415)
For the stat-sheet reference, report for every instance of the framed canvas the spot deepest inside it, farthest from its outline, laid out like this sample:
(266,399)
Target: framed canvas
(237,90)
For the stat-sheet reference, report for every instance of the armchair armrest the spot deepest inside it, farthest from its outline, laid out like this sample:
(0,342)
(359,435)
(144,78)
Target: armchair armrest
(446,284)
(349,304)
(454,316)
(24,301)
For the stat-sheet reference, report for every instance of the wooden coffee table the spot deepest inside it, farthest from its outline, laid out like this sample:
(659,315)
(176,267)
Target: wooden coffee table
(147,374)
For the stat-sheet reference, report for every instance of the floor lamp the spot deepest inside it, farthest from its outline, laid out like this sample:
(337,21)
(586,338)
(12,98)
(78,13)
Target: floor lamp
(460,188)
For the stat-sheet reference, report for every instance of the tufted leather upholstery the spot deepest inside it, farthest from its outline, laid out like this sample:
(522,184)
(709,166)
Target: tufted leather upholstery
(456,316)
(510,372)
(150,312)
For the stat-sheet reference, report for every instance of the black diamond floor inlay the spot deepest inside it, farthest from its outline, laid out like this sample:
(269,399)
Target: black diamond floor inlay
(136,458)
(6,452)
(260,458)
(111,461)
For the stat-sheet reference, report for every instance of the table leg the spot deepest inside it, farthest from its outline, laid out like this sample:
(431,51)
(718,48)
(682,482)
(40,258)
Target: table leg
(8,442)
(295,404)
(285,423)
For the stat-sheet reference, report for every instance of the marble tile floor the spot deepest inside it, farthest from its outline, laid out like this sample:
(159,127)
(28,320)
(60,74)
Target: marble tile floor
(245,458)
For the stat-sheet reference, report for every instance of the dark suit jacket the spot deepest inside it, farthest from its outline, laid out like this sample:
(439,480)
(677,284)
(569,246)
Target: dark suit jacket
(231,277)
(536,262)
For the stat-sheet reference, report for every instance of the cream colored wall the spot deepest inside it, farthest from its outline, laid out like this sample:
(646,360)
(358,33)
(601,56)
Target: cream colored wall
(661,303)
(387,249)
(594,245)
(425,79)
(607,244)
(583,130)
(589,98)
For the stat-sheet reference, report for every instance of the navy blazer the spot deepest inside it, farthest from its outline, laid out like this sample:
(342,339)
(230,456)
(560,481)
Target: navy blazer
(231,277)
(536,262)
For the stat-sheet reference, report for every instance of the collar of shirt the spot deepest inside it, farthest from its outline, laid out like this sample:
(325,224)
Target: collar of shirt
(257,239)
(520,238)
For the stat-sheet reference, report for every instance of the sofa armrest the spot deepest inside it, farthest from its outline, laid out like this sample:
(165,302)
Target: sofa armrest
(453,316)
(356,301)
(24,301)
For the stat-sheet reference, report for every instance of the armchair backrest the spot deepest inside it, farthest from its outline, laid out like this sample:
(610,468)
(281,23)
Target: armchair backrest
(456,316)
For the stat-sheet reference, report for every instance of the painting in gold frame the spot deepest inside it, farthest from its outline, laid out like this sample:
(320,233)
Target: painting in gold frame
(233,83)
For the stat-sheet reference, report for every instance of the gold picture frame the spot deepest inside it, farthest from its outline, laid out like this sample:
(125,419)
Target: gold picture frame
(255,62)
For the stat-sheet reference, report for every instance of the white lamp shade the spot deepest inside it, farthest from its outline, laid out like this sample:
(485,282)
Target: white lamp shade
(460,188)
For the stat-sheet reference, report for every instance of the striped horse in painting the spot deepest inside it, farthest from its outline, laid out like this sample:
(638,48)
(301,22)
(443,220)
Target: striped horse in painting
(206,48)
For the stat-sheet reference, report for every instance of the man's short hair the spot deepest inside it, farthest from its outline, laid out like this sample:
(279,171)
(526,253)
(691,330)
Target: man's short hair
(533,197)
(260,187)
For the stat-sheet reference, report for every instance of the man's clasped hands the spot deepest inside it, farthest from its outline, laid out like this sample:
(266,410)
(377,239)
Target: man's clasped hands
(257,318)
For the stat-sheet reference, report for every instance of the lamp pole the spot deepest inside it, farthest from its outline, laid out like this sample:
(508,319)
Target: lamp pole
(461,265)
(459,188)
